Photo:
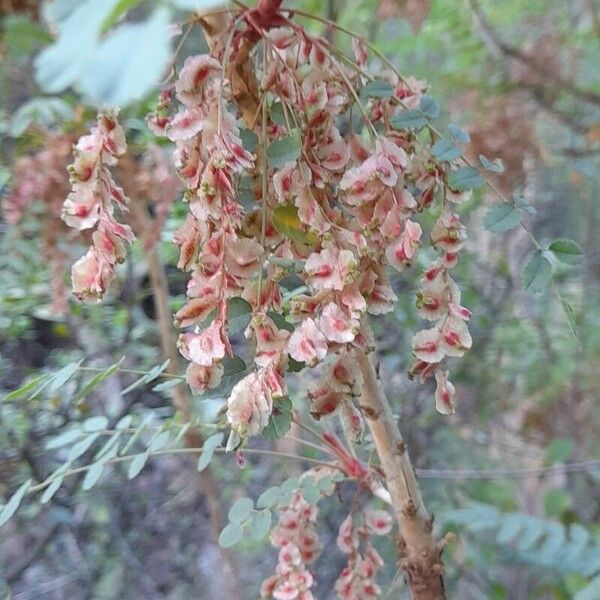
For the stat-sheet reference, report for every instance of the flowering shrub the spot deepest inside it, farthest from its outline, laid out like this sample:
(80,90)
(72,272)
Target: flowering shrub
(332,208)
(299,164)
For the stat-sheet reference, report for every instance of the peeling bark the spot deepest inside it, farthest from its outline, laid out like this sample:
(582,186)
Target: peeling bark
(420,553)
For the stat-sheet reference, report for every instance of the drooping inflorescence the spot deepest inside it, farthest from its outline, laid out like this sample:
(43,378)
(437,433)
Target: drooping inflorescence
(92,202)
(304,190)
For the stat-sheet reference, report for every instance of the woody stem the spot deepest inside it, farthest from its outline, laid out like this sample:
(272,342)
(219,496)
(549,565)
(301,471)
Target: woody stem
(419,551)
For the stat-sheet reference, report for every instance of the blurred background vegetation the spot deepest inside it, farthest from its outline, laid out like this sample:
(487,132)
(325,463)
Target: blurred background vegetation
(514,472)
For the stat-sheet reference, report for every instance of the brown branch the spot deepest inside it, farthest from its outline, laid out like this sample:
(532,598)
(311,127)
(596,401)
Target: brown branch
(493,40)
(420,552)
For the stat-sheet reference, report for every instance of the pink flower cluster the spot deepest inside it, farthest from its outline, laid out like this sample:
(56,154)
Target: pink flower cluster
(357,579)
(91,204)
(40,178)
(339,389)
(218,248)
(438,301)
(296,536)
(352,208)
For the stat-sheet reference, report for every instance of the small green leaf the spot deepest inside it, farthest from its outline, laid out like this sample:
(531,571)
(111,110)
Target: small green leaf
(567,251)
(325,483)
(288,223)
(90,385)
(409,119)
(82,446)
(290,485)
(151,375)
(280,321)
(556,502)
(269,497)
(495,166)
(95,424)
(208,449)
(459,134)
(26,388)
(51,490)
(280,420)
(240,510)
(445,150)
(378,89)
(465,178)
(502,217)
(284,150)
(238,314)
(61,377)
(10,508)
(520,202)
(558,451)
(310,491)
(93,475)
(159,441)
(124,423)
(169,384)
(137,464)
(568,310)
(136,434)
(510,528)
(64,439)
(295,366)
(277,114)
(110,448)
(537,272)
(260,524)
(429,107)
(120,8)
(249,139)
(231,535)
(42,111)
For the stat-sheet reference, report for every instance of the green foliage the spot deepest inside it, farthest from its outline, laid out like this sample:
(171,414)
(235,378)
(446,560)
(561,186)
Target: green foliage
(46,112)
(208,450)
(458,134)
(284,150)
(119,9)
(465,178)
(21,35)
(429,107)
(97,380)
(288,223)
(546,544)
(445,150)
(231,534)
(558,450)
(567,251)
(107,70)
(536,272)
(409,119)
(280,420)
(502,217)
(9,509)
(378,89)
(495,166)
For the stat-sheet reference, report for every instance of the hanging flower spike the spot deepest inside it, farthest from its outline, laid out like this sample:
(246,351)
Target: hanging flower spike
(91,203)
(357,579)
